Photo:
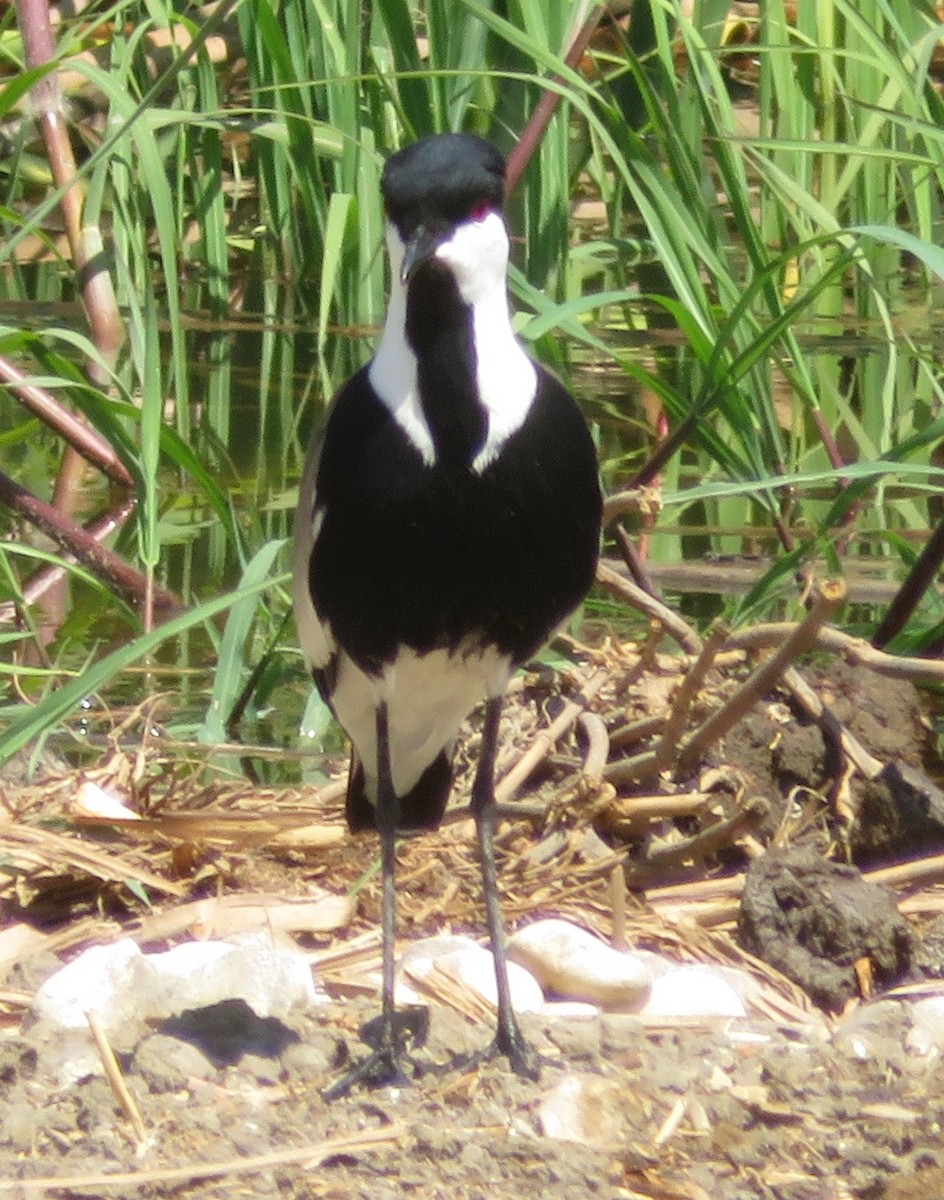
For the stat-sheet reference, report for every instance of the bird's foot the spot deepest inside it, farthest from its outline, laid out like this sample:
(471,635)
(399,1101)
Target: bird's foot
(380,1068)
(512,1044)
(389,1036)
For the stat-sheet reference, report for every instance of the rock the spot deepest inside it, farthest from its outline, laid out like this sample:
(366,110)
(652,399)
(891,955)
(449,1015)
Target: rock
(467,962)
(815,920)
(570,961)
(583,1108)
(414,964)
(111,980)
(926,1035)
(271,981)
(129,991)
(167,1063)
(693,991)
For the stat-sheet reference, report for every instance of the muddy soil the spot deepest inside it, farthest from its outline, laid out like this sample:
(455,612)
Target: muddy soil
(712,1109)
(761,1112)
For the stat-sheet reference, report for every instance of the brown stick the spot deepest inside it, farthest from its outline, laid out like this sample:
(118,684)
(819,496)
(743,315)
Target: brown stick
(46,577)
(735,576)
(115,1078)
(598,744)
(530,139)
(636,731)
(648,763)
(627,817)
(698,892)
(832,594)
(247,1164)
(98,297)
(87,441)
(918,580)
(543,743)
(685,695)
(866,763)
(707,842)
(633,560)
(631,593)
(79,542)
(854,650)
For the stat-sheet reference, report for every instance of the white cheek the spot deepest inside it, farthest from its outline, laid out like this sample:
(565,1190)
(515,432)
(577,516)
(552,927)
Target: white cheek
(477,255)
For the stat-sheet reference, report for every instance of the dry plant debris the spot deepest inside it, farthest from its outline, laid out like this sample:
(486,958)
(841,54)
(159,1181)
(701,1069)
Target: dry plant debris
(666,772)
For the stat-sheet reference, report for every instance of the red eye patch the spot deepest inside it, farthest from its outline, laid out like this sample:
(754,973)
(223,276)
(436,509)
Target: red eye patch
(480,210)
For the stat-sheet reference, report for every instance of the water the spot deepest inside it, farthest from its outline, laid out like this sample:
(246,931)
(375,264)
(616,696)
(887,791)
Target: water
(256,388)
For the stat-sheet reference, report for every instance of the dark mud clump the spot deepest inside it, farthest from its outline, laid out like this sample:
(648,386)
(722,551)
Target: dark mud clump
(823,925)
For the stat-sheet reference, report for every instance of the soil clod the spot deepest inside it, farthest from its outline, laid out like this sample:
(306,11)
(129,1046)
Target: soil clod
(817,921)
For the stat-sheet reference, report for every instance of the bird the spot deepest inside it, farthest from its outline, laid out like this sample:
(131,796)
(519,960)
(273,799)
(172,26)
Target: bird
(448,523)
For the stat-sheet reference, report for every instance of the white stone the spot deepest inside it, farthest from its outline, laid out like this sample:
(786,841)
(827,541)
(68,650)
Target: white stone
(100,979)
(435,947)
(272,981)
(583,1108)
(926,1035)
(111,981)
(693,991)
(127,989)
(471,965)
(569,1010)
(425,950)
(573,963)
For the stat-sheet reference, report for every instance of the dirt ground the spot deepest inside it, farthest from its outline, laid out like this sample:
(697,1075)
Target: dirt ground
(795,1105)
(763,1113)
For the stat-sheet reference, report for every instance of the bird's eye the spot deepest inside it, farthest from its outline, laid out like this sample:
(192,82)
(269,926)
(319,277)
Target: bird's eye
(480,210)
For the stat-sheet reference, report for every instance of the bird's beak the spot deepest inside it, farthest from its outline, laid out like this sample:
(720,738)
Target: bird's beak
(419,249)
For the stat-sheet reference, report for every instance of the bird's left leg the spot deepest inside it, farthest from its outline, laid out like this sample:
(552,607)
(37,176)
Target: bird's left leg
(508,1037)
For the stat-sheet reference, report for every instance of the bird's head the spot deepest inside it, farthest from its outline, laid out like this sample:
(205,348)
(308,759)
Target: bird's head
(443,196)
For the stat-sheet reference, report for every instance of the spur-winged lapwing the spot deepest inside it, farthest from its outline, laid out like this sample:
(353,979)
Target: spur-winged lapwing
(448,522)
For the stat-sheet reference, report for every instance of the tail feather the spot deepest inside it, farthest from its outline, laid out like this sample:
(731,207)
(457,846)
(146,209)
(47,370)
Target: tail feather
(421,808)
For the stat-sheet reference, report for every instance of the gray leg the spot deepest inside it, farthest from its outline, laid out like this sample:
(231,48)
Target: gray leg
(388,814)
(383,1065)
(508,1037)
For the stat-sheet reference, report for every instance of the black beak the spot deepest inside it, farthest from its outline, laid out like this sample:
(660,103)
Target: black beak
(419,249)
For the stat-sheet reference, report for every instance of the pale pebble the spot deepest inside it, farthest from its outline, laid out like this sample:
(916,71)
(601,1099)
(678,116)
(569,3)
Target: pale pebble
(424,951)
(100,979)
(926,1033)
(272,981)
(573,963)
(474,966)
(569,1010)
(584,1109)
(693,991)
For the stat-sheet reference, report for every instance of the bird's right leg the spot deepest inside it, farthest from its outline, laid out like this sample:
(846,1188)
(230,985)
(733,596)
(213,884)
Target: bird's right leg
(385,1034)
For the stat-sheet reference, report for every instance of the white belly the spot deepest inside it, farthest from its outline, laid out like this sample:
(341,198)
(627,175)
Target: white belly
(427,696)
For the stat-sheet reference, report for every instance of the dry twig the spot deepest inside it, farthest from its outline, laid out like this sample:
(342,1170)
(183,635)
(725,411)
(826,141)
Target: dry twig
(250,1164)
(116,1080)
(624,589)
(832,593)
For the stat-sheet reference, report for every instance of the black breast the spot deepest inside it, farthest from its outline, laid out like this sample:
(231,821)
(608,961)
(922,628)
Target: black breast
(435,556)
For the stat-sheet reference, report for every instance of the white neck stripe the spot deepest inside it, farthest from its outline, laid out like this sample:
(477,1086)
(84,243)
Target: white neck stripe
(477,255)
